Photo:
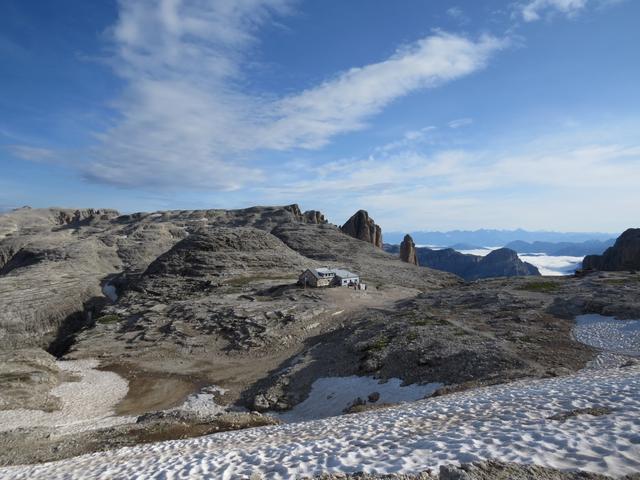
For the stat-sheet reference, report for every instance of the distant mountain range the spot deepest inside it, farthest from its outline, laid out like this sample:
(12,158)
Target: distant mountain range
(495,238)
(573,249)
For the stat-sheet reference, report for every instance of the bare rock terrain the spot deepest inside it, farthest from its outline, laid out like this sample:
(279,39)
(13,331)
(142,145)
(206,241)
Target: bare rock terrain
(177,302)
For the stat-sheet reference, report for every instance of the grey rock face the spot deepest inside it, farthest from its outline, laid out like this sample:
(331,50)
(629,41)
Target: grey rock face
(624,255)
(499,263)
(362,227)
(503,263)
(314,216)
(408,250)
(223,252)
(448,260)
(310,216)
(53,262)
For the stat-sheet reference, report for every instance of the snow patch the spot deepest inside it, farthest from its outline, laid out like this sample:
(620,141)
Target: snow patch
(510,422)
(330,396)
(609,334)
(87,403)
(203,403)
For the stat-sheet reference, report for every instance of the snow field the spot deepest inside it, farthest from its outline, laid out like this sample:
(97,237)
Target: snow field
(508,422)
(87,403)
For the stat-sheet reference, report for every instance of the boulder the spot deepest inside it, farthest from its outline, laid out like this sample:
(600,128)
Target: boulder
(408,250)
(362,227)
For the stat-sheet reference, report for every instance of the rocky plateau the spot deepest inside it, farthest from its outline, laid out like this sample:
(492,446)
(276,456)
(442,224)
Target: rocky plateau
(178,302)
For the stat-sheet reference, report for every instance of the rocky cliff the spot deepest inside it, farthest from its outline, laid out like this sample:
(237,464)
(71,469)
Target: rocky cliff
(499,263)
(502,263)
(408,250)
(624,255)
(362,227)
(448,260)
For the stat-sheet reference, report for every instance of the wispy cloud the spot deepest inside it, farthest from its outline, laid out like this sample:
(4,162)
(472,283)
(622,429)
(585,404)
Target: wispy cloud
(458,14)
(27,152)
(409,186)
(532,10)
(186,119)
(343,104)
(460,122)
(181,113)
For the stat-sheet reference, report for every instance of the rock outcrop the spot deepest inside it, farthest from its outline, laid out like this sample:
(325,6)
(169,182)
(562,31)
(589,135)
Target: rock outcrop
(503,262)
(624,255)
(315,217)
(499,263)
(222,252)
(448,260)
(310,216)
(408,250)
(362,227)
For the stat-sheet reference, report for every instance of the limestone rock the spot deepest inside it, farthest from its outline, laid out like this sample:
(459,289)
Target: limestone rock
(362,227)
(499,263)
(315,217)
(504,262)
(408,250)
(624,255)
(310,216)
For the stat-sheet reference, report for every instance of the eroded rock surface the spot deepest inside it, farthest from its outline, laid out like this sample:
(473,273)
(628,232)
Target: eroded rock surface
(209,297)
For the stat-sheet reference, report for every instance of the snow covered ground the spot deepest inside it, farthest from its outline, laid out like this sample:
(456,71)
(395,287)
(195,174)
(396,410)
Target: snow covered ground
(331,396)
(87,403)
(615,337)
(203,403)
(509,422)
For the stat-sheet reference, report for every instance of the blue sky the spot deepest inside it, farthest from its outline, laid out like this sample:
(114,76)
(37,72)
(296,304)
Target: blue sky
(431,115)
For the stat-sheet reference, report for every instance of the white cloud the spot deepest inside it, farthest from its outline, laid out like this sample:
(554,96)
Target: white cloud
(27,152)
(533,10)
(180,114)
(455,12)
(460,122)
(186,119)
(458,14)
(344,103)
(543,184)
